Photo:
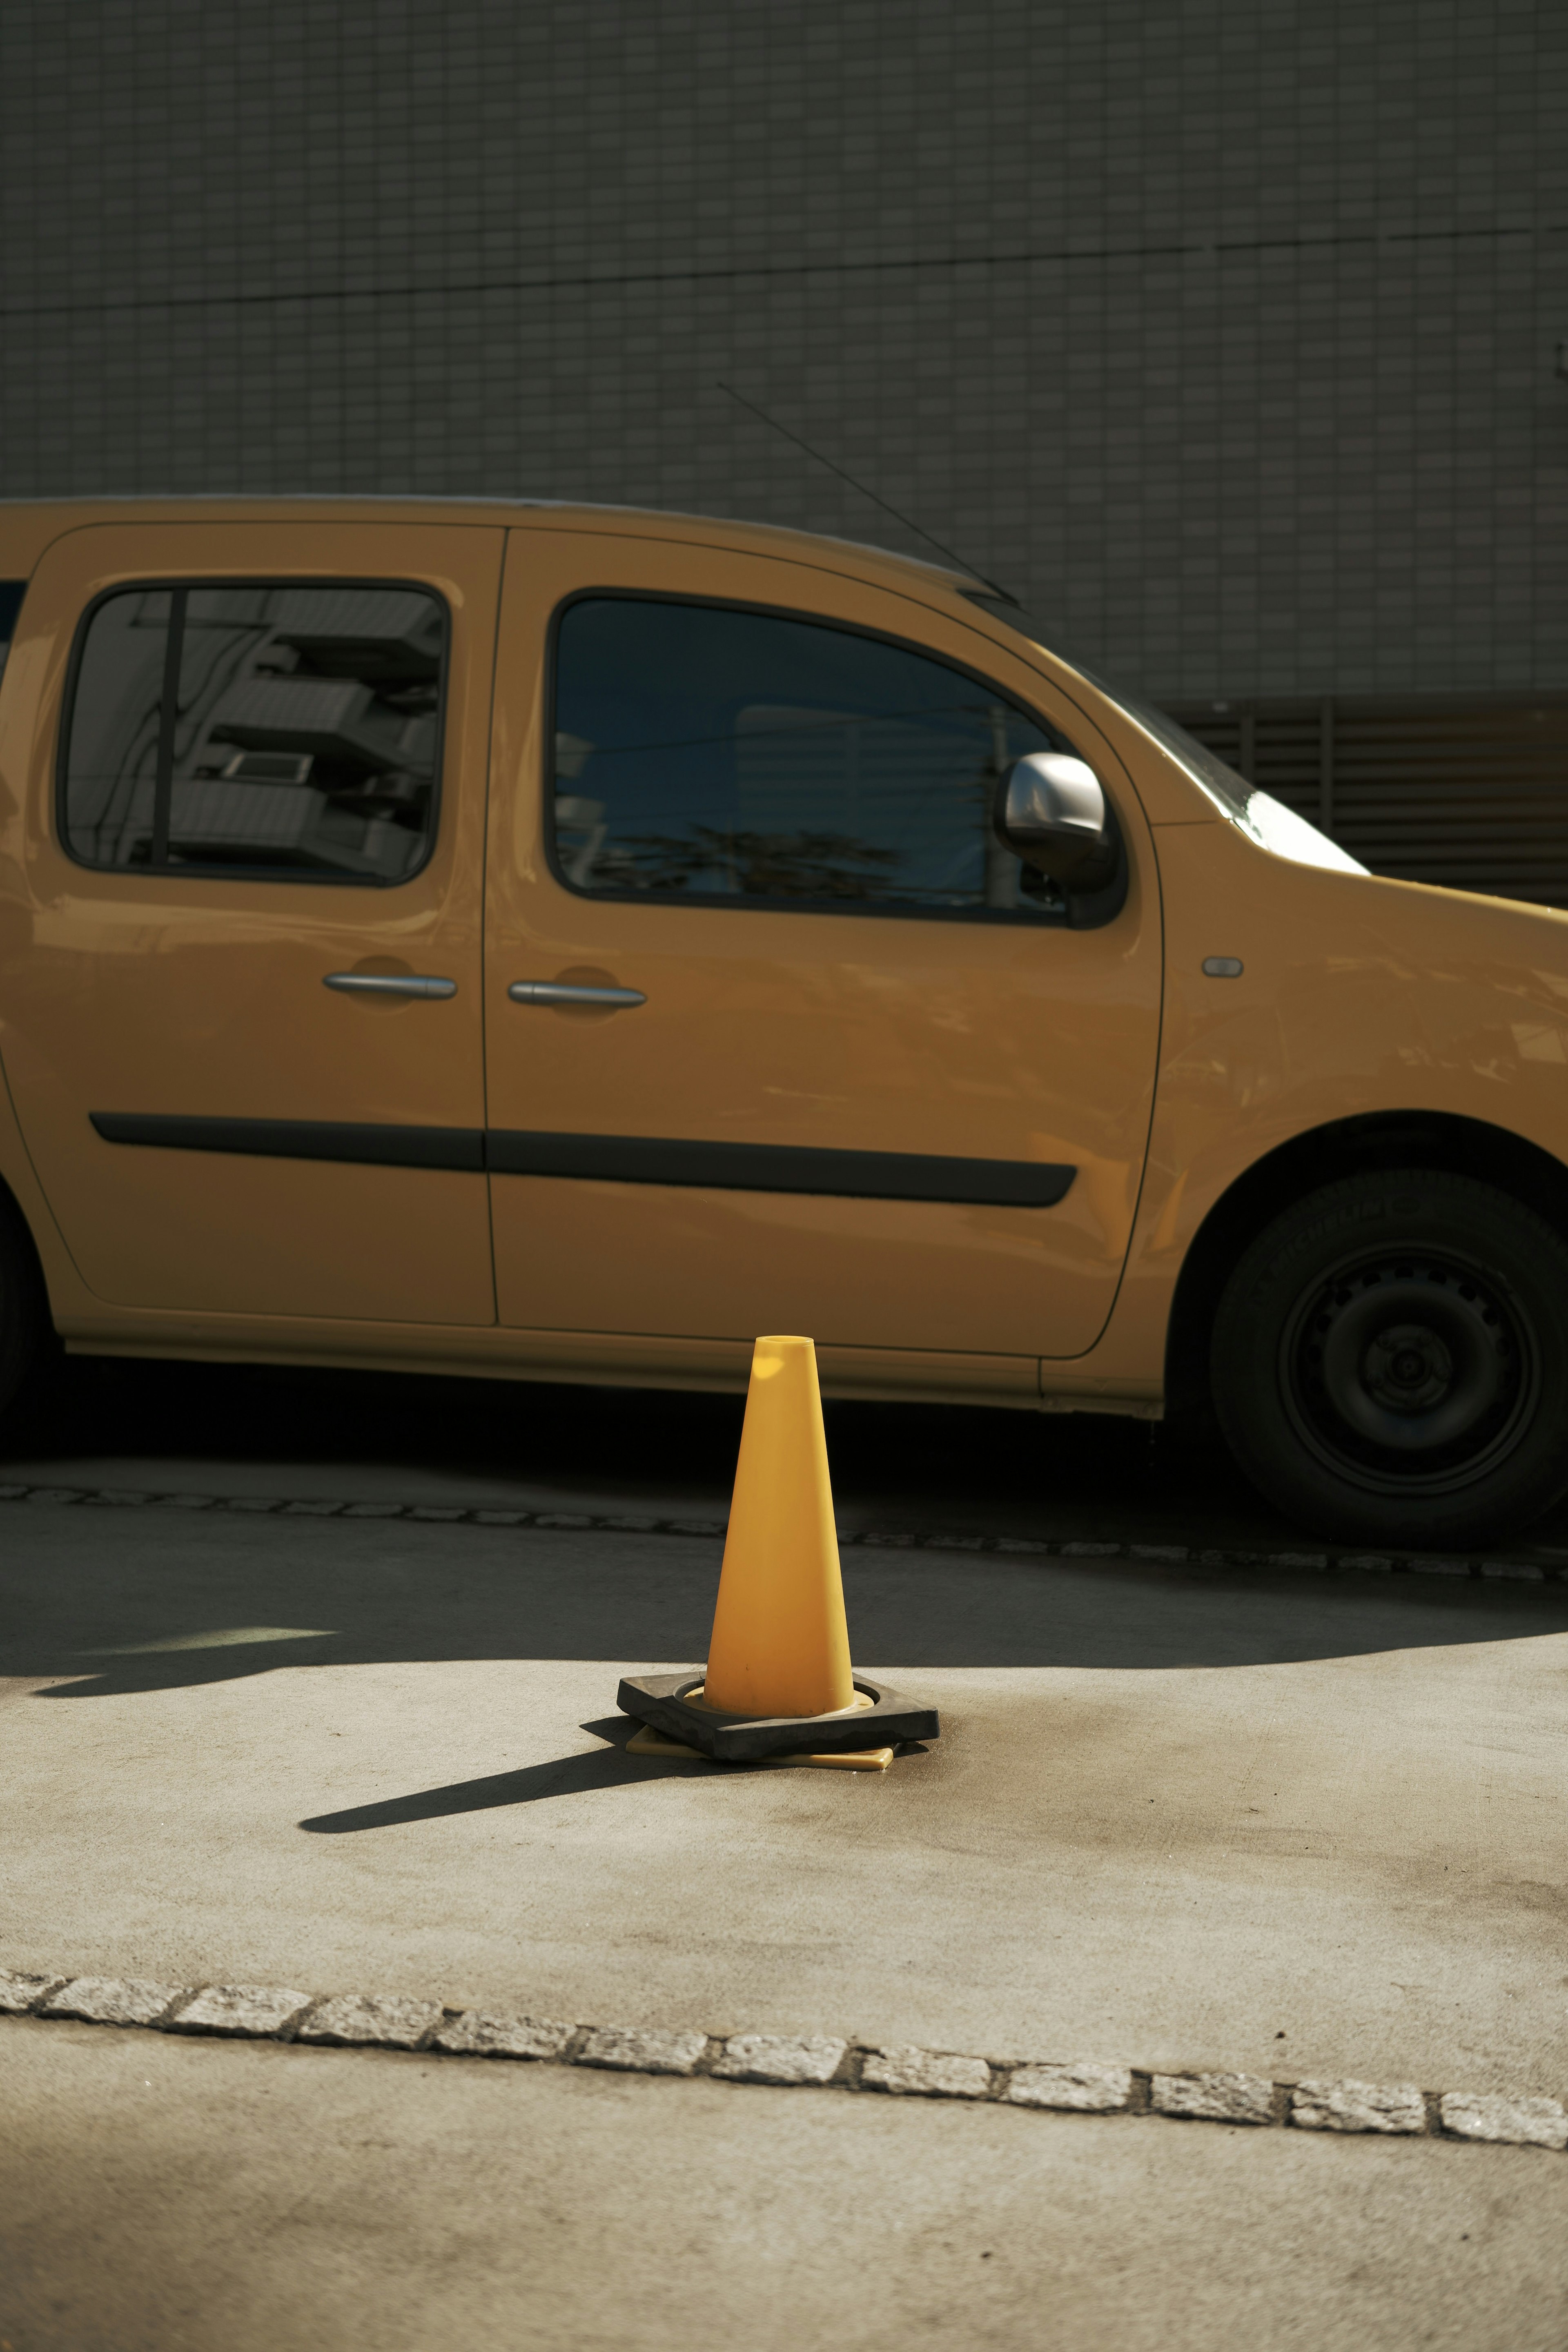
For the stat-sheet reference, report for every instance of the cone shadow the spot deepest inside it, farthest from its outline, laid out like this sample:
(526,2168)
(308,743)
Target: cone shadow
(563,1775)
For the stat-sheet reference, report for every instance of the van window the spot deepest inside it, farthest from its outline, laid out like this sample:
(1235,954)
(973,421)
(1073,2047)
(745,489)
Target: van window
(275,731)
(711,754)
(11,594)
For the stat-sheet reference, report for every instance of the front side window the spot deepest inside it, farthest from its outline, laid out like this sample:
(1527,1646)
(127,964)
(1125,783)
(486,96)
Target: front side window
(710,754)
(288,733)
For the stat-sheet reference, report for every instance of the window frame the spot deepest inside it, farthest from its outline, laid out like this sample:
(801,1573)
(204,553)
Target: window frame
(307,876)
(1046,919)
(8,630)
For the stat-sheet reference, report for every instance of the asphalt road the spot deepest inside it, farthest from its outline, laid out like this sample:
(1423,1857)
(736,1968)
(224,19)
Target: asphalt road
(907,1466)
(1291,1826)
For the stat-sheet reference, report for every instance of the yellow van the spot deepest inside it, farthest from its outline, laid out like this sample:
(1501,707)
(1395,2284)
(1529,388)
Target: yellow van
(561,943)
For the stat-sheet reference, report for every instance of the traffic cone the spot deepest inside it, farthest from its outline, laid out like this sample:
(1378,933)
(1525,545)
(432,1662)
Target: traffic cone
(780,1644)
(779,1687)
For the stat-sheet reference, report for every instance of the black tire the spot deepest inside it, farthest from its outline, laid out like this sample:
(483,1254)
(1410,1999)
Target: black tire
(1390,1361)
(26,1331)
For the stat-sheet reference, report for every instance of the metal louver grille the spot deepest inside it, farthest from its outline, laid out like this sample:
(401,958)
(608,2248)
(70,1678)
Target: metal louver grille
(1471,794)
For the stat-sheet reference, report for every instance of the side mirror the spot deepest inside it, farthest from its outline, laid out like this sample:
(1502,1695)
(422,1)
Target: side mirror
(1049,811)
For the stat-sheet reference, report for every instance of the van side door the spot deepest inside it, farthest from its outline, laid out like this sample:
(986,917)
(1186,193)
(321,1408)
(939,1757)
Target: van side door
(863,1078)
(240,917)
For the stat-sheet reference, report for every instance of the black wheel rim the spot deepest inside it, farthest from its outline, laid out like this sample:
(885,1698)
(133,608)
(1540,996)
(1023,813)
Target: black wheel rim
(1410,1371)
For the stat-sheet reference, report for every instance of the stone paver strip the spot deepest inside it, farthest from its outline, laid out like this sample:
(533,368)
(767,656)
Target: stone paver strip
(114,2000)
(621,1522)
(1213,2098)
(473,2035)
(258,2011)
(1352,2106)
(1516,2123)
(926,2073)
(642,2050)
(391,2021)
(780,2058)
(20,1993)
(1084,2088)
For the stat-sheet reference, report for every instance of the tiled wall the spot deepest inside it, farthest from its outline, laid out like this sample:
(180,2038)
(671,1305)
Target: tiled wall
(1223,331)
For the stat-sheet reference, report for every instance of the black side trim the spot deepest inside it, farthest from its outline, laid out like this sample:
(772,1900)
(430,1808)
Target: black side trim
(369,1145)
(778,1167)
(614,1159)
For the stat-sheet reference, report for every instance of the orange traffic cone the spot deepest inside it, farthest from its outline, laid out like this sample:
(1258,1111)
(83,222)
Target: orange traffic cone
(780,1643)
(779,1686)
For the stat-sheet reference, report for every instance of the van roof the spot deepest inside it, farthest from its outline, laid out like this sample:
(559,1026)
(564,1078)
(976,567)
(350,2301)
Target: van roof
(27,525)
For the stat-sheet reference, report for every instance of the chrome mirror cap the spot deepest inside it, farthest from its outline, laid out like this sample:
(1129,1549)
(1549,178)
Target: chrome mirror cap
(1050,811)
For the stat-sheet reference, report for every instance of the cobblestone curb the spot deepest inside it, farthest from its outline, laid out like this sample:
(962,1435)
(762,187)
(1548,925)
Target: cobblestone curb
(1079,2086)
(1332,1562)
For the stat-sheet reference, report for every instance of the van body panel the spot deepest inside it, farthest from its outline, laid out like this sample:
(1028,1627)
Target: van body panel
(1358,996)
(1162,1086)
(846,1031)
(128,993)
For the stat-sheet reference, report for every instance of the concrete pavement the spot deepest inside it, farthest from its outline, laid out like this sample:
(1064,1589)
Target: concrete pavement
(160,2196)
(1289,1825)
(1175,1820)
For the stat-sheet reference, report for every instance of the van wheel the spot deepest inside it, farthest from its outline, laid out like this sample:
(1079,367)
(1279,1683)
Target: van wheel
(1390,1361)
(25,1327)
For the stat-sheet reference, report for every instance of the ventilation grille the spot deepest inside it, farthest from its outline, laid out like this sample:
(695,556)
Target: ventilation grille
(1472,794)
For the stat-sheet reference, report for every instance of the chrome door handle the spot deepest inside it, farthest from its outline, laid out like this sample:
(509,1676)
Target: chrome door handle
(565,992)
(388,983)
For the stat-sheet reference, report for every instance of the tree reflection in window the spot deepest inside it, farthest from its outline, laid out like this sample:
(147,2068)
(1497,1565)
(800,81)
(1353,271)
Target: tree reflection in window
(756,865)
(706,751)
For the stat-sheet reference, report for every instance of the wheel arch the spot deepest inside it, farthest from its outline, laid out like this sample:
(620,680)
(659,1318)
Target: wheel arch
(1435,1140)
(31,1341)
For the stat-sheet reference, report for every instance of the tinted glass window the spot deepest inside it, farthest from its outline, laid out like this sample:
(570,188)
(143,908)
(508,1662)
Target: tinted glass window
(268,730)
(11,594)
(707,754)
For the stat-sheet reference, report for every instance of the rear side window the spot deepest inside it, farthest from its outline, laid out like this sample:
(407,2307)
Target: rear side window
(275,731)
(712,754)
(11,594)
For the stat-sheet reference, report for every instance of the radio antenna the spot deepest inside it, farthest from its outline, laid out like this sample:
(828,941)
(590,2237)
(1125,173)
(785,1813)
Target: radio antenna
(865,493)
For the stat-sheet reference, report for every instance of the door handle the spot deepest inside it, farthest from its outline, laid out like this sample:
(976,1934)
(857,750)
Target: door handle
(388,983)
(565,992)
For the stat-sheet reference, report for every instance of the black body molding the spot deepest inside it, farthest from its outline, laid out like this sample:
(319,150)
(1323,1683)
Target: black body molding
(367,1142)
(612,1158)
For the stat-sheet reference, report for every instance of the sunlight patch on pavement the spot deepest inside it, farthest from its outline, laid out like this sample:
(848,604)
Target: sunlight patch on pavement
(225,1637)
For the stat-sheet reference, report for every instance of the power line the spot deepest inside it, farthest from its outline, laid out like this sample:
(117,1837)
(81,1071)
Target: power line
(918,529)
(1213,248)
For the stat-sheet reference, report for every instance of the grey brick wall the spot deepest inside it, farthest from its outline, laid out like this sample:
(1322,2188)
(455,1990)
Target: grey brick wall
(1221,330)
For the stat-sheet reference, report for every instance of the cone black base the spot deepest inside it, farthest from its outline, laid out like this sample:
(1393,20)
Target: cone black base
(661,1700)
